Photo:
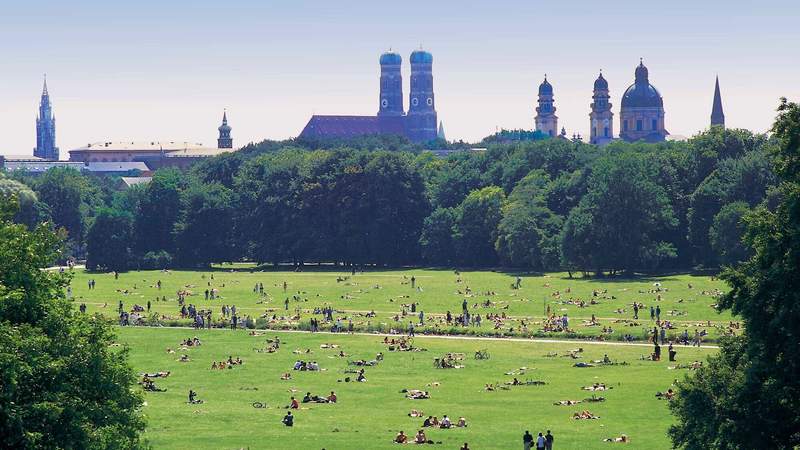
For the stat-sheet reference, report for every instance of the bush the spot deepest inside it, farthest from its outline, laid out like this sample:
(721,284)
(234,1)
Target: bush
(156,260)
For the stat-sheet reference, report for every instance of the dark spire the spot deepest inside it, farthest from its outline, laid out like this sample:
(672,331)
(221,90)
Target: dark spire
(717,116)
(44,89)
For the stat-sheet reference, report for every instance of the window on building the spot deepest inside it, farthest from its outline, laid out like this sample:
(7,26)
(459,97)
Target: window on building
(605,132)
(625,125)
(639,125)
(655,124)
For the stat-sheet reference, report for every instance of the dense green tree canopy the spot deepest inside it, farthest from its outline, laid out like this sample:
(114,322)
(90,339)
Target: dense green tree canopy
(63,385)
(749,395)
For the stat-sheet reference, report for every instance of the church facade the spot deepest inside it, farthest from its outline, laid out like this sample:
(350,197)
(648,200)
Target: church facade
(419,124)
(641,112)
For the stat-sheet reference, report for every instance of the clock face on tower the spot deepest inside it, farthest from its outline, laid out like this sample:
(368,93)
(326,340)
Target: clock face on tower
(384,103)
(430,101)
(415,101)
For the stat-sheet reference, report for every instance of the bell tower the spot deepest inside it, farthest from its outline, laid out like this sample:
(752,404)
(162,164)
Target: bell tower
(421,118)
(391,91)
(225,140)
(601,119)
(546,119)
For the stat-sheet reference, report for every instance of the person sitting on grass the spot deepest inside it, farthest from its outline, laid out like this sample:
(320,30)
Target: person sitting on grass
(332,398)
(288,419)
(427,422)
(420,438)
(401,438)
(361,378)
(666,395)
(445,423)
(462,422)
(286,376)
(294,404)
(193,400)
(465,446)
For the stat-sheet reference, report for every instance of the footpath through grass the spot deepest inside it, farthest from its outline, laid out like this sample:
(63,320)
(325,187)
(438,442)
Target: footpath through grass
(369,414)
(686,301)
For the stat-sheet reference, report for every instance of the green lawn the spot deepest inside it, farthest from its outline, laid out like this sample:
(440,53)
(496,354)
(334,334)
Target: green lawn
(437,291)
(369,414)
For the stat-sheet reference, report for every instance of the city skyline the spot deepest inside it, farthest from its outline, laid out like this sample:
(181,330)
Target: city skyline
(135,78)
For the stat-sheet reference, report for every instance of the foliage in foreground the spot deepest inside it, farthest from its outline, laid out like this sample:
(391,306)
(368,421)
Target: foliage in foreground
(61,384)
(749,395)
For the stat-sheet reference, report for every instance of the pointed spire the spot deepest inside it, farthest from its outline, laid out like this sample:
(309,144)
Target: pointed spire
(224,116)
(717,116)
(44,89)
(440,134)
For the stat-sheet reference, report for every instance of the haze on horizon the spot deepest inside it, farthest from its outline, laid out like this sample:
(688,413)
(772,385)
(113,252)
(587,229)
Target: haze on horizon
(151,70)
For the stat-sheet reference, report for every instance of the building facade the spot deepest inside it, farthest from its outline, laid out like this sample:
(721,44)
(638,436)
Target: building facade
(546,120)
(418,125)
(46,129)
(601,119)
(642,110)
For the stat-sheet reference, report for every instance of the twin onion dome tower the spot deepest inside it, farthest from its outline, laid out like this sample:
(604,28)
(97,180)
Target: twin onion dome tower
(641,111)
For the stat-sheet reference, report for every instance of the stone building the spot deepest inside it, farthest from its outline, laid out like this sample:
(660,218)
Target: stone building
(642,110)
(546,120)
(601,119)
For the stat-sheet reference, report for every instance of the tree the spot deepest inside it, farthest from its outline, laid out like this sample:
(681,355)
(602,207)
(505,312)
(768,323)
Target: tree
(204,233)
(627,210)
(749,394)
(109,241)
(31,211)
(158,212)
(436,239)
(476,226)
(727,231)
(527,235)
(63,385)
(71,199)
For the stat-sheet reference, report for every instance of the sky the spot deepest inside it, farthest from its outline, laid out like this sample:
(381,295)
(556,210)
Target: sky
(165,70)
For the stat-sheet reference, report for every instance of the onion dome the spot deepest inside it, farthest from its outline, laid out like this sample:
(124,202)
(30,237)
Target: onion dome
(600,84)
(545,88)
(421,57)
(391,58)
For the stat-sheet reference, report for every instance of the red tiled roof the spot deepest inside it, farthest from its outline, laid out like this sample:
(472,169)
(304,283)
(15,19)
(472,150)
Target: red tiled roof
(352,126)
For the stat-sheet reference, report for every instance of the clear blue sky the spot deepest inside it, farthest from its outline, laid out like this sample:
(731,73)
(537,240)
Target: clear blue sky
(148,70)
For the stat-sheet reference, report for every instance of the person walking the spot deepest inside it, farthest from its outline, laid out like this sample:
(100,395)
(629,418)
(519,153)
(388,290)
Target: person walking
(527,440)
(548,441)
(540,442)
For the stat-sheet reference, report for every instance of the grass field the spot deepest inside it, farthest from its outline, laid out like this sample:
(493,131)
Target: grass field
(687,301)
(369,414)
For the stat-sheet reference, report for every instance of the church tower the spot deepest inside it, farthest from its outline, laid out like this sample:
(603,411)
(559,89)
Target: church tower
(225,140)
(717,116)
(421,118)
(46,129)
(546,119)
(601,119)
(391,92)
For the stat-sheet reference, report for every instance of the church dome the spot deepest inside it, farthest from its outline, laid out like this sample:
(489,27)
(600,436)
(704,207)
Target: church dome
(600,84)
(642,94)
(391,58)
(545,88)
(421,57)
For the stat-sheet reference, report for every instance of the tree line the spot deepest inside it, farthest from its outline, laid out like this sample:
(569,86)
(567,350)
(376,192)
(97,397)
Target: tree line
(542,204)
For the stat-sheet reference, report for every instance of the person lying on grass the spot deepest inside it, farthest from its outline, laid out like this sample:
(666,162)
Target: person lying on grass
(416,394)
(149,386)
(314,398)
(415,413)
(669,395)
(567,402)
(623,439)
(585,414)
(597,387)
(156,374)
